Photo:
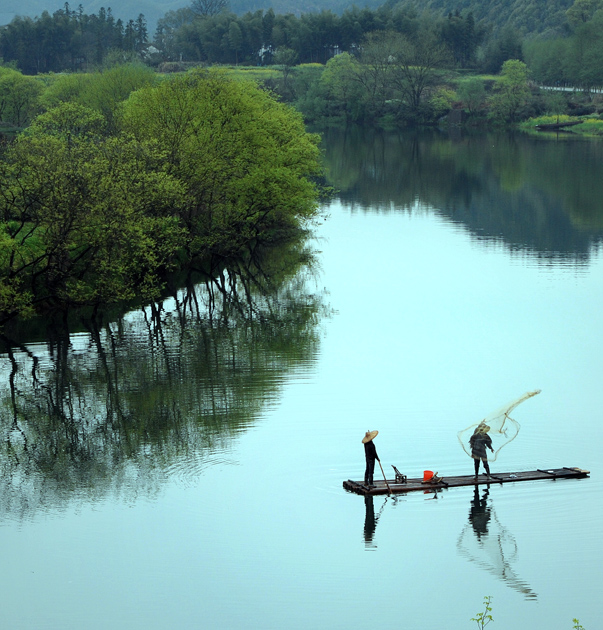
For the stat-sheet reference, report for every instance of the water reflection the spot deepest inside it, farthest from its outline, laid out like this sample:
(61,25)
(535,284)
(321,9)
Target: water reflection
(485,542)
(538,197)
(371,519)
(119,406)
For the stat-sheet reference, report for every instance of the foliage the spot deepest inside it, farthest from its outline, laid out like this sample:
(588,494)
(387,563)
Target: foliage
(482,619)
(102,90)
(441,101)
(575,60)
(105,90)
(86,219)
(512,92)
(199,167)
(582,11)
(68,39)
(462,36)
(341,82)
(525,16)
(19,97)
(584,66)
(472,94)
(589,126)
(506,45)
(399,72)
(244,158)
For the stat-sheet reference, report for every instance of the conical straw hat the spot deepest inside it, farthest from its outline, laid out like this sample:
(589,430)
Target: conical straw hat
(369,436)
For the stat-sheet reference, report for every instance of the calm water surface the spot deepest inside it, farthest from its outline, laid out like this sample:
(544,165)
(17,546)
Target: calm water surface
(183,468)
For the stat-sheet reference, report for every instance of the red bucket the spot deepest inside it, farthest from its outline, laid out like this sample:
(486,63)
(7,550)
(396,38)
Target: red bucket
(427,475)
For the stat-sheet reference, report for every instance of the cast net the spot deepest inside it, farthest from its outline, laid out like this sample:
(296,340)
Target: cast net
(499,425)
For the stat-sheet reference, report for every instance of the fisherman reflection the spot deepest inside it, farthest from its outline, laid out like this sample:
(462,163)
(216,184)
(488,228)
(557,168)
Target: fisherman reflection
(370,520)
(485,542)
(479,514)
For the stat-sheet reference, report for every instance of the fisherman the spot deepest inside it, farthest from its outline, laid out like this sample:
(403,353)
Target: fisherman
(479,441)
(370,453)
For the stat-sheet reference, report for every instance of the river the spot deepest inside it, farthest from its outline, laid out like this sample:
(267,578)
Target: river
(181,466)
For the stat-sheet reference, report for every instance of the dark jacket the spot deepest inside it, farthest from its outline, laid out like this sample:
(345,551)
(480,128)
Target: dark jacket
(370,452)
(479,442)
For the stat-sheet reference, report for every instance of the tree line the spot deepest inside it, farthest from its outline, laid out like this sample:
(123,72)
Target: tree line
(576,59)
(569,51)
(70,40)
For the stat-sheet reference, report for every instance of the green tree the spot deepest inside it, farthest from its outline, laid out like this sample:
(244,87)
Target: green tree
(506,45)
(244,158)
(65,88)
(512,92)
(287,58)
(416,63)
(19,97)
(582,11)
(472,93)
(584,64)
(104,91)
(235,39)
(340,79)
(207,8)
(548,59)
(69,121)
(462,37)
(377,52)
(85,220)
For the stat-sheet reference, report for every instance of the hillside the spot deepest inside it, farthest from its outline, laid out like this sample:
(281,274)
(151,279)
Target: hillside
(527,16)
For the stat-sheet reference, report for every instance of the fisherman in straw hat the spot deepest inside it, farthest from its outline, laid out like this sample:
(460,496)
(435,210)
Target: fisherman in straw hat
(479,441)
(370,452)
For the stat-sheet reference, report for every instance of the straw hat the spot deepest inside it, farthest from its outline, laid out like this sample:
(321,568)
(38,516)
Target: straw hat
(369,436)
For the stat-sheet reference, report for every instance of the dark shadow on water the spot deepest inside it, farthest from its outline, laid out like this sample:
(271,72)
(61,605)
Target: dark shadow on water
(538,198)
(370,521)
(127,402)
(486,543)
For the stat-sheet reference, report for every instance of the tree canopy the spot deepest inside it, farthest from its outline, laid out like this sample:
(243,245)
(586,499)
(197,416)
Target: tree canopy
(94,210)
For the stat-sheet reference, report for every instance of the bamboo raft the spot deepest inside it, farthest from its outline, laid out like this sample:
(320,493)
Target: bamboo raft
(412,485)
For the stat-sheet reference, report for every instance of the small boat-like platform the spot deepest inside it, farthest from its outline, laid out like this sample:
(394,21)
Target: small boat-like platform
(441,482)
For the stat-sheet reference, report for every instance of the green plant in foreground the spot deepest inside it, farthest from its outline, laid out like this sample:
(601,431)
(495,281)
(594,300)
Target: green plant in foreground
(483,618)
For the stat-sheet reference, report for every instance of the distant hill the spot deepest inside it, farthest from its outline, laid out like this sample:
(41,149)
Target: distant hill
(527,16)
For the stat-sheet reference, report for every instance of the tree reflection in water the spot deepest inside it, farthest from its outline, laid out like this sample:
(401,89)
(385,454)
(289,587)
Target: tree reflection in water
(117,406)
(488,544)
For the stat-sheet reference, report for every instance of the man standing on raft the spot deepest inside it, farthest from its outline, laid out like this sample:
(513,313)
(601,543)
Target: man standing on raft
(479,441)
(370,453)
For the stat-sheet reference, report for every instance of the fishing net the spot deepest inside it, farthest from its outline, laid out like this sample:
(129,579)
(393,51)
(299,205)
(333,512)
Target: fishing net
(499,426)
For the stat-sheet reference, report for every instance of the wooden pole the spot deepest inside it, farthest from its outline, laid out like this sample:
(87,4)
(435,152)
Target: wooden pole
(384,477)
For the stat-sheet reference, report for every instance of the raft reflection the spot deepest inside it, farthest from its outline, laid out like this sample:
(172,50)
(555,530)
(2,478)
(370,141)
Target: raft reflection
(489,544)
